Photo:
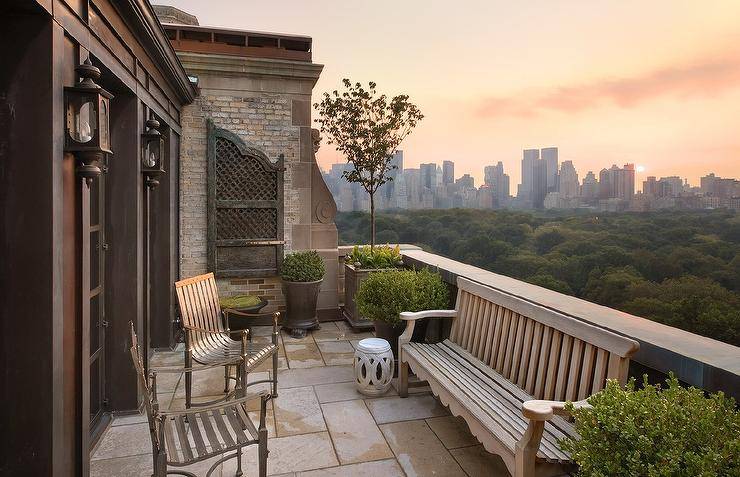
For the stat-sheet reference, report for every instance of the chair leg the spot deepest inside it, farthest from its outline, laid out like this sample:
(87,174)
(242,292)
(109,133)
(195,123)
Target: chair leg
(226,379)
(239,462)
(160,464)
(262,451)
(274,374)
(188,378)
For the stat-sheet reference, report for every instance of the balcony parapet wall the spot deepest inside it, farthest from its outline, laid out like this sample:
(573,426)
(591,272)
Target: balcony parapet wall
(696,360)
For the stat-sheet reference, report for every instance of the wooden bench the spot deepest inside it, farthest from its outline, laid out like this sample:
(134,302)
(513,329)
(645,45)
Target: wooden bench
(507,368)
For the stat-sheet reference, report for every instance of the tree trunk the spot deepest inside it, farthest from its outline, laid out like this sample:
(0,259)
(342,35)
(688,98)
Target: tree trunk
(372,221)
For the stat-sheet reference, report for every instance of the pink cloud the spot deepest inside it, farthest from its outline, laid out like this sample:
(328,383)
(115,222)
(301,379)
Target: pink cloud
(707,78)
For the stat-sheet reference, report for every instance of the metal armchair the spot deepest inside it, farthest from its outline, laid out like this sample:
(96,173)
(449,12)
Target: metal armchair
(208,337)
(182,438)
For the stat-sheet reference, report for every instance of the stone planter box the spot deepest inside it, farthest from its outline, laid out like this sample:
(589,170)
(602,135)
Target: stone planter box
(353,278)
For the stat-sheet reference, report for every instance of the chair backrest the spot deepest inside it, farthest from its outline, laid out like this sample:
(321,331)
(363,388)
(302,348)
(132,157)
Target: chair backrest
(546,353)
(199,305)
(148,395)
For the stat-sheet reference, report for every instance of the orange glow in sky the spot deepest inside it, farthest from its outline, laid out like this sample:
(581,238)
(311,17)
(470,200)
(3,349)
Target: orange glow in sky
(652,83)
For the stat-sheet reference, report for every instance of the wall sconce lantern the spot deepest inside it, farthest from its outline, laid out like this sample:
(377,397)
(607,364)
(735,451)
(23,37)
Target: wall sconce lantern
(152,150)
(87,130)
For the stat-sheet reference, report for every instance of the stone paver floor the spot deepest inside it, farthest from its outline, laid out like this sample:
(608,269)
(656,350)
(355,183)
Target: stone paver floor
(319,425)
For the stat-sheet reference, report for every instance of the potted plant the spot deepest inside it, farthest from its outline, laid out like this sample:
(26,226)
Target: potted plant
(672,431)
(302,274)
(384,295)
(358,266)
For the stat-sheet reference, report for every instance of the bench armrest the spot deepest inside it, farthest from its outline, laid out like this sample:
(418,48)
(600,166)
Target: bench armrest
(541,410)
(417,315)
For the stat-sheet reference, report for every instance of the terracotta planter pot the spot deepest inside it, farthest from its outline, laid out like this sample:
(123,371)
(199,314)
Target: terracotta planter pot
(301,298)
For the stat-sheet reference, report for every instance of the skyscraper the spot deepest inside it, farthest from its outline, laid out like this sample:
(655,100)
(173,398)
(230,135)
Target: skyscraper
(568,180)
(539,184)
(550,156)
(465,182)
(495,178)
(428,175)
(488,175)
(590,187)
(448,172)
(529,159)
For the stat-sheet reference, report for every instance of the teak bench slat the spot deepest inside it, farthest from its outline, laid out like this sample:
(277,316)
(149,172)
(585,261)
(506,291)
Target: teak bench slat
(507,368)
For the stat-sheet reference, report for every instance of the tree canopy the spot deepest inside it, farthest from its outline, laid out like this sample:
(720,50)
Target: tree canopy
(681,268)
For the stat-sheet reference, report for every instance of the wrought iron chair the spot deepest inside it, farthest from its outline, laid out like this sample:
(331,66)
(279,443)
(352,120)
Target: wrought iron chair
(181,438)
(208,341)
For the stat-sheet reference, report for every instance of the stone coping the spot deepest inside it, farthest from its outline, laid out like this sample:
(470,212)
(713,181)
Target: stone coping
(696,360)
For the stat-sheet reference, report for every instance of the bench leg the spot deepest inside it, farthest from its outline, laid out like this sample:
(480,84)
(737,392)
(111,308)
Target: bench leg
(403,379)
(526,449)
(239,472)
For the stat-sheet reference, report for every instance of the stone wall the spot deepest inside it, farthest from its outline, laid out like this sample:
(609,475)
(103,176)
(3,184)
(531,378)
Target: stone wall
(267,103)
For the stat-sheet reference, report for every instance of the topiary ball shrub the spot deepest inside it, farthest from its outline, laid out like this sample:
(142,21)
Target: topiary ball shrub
(656,432)
(383,295)
(304,266)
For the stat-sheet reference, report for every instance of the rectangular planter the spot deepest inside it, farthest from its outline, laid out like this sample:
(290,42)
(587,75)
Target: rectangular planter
(353,278)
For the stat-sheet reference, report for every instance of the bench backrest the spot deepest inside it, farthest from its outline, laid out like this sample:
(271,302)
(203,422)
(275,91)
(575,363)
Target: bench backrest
(199,305)
(546,353)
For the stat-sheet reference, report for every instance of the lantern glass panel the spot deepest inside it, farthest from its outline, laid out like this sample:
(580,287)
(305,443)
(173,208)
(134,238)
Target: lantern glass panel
(104,131)
(83,119)
(152,158)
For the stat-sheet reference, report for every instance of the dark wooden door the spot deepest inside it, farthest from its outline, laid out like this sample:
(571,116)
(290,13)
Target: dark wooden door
(97,323)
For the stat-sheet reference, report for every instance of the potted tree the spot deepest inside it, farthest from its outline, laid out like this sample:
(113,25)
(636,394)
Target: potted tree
(655,431)
(357,267)
(384,295)
(302,274)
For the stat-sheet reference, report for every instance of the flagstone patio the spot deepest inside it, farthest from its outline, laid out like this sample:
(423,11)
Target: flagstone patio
(319,425)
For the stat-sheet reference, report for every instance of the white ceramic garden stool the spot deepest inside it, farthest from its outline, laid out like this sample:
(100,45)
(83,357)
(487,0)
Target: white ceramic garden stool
(373,366)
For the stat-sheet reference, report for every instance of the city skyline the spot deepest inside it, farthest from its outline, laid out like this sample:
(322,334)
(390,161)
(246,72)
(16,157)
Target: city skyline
(656,84)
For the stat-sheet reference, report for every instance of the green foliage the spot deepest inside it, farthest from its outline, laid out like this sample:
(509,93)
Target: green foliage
(681,268)
(383,295)
(367,128)
(239,301)
(671,432)
(383,256)
(306,266)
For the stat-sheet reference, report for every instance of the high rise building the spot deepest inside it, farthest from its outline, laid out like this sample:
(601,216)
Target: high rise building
(465,182)
(650,186)
(397,160)
(396,164)
(539,184)
(590,187)
(568,180)
(428,175)
(714,186)
(529,159)
(495,178)
(550,156)
(616,183)
(448,172)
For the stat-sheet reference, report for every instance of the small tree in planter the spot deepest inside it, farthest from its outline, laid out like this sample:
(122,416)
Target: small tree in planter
(358,266)
(302,274)
(657,432)
(384,295)
(367,129)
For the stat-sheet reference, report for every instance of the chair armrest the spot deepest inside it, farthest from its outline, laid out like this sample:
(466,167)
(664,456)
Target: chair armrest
(178,369)
(202,330)
(418,315)
(541,410)
(217,407)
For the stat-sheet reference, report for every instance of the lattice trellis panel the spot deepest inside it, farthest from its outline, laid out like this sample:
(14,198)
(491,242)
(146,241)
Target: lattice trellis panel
(242,178)
(245,207)
(246,224)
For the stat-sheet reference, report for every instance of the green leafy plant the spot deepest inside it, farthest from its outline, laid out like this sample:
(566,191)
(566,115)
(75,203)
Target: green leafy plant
(656,432)
(383,256)
(367,128)
(239,301)
(383,295)
(306,266)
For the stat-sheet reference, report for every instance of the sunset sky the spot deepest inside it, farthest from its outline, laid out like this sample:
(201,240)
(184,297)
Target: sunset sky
(653,83)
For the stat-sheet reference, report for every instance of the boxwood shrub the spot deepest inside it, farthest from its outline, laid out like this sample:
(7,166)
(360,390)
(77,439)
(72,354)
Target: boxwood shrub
(380,256)
(306,266)
(656,432)
(383,295)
